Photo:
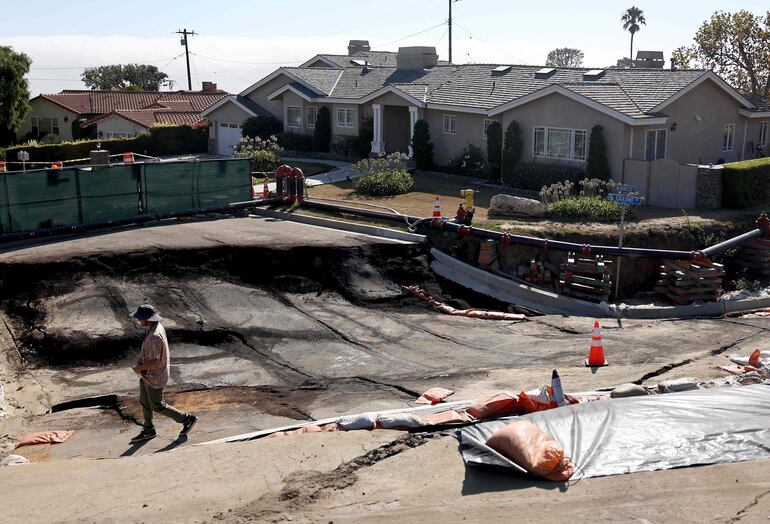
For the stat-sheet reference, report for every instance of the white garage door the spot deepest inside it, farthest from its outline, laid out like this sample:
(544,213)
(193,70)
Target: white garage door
(228,137)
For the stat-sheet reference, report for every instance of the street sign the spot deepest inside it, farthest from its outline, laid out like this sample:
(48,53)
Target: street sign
(625,199)
(625,188)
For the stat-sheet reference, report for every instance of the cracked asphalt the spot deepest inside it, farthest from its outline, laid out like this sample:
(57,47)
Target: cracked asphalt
(273,323)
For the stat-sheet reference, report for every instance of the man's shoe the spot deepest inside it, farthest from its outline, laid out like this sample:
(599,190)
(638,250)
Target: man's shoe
(188,424)
(146,434)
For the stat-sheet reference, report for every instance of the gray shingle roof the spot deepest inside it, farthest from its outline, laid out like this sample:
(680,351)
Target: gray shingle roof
(762,104)
(634,92)
(252,105)
(375,58)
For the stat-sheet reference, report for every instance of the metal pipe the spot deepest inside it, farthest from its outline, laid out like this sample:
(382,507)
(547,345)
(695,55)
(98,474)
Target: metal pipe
(135,220)
(732,242)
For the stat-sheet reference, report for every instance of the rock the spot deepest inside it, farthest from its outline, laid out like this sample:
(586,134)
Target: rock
(628,390)
(508,205)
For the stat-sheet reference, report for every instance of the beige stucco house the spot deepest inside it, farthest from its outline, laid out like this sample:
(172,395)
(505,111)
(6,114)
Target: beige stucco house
(689,116)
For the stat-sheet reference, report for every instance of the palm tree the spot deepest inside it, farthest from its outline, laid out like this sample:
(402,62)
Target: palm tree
(631,20)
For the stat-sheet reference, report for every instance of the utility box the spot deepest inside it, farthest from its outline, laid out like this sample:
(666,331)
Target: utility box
(100,157)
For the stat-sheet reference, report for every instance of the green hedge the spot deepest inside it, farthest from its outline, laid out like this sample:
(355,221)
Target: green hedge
(161,140)
(535,176)
(745,184)
(586,209)
(295,141)
(386,183)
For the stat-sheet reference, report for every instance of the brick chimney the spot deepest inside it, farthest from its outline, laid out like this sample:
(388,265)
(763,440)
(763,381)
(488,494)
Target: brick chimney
(358,45)
(209,87)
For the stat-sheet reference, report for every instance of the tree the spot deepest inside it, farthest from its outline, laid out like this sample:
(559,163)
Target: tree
(631,20)
(130,76)
(495,148)
(565,57)
(511,151)
(422,147)
(596,164)
(14,93)
(261,126)
(736,46)
(322,136)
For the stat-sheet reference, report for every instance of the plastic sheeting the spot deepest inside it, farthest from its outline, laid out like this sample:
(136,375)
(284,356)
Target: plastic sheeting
(649,433)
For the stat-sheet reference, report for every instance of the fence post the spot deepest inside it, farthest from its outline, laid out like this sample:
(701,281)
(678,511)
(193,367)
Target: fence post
(80,196)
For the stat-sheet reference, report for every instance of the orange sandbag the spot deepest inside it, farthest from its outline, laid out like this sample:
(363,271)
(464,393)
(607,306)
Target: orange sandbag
(445,418)
(498,405)
(532,449)
(434,395)
(45,437)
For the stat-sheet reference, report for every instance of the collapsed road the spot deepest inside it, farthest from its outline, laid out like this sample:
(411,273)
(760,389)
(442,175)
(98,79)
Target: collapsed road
(273,323)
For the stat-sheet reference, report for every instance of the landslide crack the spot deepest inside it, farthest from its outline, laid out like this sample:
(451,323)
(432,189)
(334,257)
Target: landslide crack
(744,512)
(304,488)
(407,391)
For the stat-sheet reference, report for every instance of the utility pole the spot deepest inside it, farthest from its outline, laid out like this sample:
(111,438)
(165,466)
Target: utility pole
(450,30)
(185,33)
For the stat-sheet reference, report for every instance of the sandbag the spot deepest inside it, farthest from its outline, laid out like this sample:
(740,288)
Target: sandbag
(362,421)
(628,390)
(533,449)
(446,418)
(679,384)
(399,421)
(434,396)
(498,405)
(13,460)
(45,437)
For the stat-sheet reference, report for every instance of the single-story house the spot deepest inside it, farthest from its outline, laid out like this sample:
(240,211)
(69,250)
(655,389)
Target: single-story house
(115,113)
(689,116)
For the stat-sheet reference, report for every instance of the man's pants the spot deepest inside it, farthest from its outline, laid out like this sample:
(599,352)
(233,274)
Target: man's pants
(152,400)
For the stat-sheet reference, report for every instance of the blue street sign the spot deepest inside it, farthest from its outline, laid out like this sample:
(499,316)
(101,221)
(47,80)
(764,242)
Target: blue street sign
(624,199)
(625,188)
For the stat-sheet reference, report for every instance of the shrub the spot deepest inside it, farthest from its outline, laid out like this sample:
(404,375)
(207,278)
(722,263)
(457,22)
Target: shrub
(295,141)
(468,162)
(261,126)
(588,187)
(535,176)
(346,146)
(512,149)
(494,150)
(322,135)
(262,153)
(422,147)
(596,164)
(386,183)
(78,133)
(584,208)
(747,183)
(365,137)
(391,163)
(50,138)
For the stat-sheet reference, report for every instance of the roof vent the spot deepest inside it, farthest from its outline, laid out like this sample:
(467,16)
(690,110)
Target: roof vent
(416,57)
(546,72)
(594,74)
(501,70)
(360,63)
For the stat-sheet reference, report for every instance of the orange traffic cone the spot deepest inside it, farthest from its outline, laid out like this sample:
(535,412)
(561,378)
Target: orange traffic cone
(754,359)
(265,190)
(253,192)
(437,208)
(596,353)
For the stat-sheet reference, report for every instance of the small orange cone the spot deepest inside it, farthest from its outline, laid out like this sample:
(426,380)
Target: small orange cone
(265,190)
(754,359)
(253,192)
(437,208)
(596,353)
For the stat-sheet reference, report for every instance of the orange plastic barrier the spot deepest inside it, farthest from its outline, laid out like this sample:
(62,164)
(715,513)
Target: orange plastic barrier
(532,449)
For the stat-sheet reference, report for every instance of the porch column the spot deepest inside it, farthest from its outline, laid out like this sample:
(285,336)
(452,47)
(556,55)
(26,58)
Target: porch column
(412,120)
(378,147)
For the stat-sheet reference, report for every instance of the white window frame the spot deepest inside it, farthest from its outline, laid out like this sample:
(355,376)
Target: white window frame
(348,121)
(286,114)
(310,122)
(728,138)
(546,150)
(487,122)
(655,152)
(450,124)
(35,123)
(762,142)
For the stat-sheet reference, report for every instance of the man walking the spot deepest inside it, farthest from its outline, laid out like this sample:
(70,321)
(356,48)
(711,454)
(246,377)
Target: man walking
(152,366)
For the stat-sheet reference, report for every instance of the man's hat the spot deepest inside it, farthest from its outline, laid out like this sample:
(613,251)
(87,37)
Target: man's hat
(146,312)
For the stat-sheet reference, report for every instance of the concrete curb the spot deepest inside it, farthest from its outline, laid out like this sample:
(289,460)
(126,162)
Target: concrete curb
(381,232)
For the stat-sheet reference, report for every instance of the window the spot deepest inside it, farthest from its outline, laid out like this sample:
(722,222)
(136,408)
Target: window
(762,134)
(559,143)
(450,124)
(487,121)
(111,134)
(655,144)
(346,117)
(293,116)
(311,113)
(728,140)
(42,126)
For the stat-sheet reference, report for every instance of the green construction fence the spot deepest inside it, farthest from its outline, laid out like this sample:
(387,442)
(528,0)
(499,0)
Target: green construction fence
(40,199)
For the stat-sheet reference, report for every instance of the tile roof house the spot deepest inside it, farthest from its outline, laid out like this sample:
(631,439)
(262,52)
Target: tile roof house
(116,113)
(688,116)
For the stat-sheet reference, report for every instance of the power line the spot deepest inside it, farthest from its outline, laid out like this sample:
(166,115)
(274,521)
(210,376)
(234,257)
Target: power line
(472,35)
(220,67)
(410,36)
(249,63)
(62,68)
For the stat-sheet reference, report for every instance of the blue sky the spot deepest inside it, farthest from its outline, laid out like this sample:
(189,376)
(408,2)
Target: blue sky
(240,40)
